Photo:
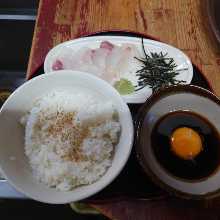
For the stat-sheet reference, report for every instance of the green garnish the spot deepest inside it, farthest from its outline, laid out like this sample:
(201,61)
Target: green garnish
(83,208)
(124,86)
(157,71)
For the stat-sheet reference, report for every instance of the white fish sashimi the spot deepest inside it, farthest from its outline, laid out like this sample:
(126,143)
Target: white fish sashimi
(63,59)
(128,59)
(128,66)
(118,56)
(99,57)
(73,60)
(120,62)
(109,62)
(107,45)
(80,60)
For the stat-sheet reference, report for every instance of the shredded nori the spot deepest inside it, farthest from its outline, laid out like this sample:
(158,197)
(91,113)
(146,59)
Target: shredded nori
(157,71)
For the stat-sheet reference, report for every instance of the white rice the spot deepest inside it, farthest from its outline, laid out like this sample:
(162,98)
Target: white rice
(70,138)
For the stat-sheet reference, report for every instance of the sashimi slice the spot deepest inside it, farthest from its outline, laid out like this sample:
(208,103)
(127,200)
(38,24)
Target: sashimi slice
(128,65)
(99,57)
(57,65)
(109,62)
(66,57)
(63,59)
(71,59)
(120,62)
(107,45)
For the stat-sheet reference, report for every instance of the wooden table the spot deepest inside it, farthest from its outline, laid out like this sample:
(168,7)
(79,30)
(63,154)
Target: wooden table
(182,23)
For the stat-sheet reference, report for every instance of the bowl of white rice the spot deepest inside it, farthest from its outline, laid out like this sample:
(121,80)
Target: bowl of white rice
(64,136)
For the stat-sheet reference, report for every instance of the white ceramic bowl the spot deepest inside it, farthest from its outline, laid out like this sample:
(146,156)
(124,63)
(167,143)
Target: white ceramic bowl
(13,161)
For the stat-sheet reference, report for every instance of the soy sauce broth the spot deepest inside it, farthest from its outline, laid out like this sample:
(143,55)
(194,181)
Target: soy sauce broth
(201,166)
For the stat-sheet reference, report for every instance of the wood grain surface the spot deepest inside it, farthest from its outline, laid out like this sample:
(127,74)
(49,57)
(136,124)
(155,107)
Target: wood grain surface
(181,23)
(165,209)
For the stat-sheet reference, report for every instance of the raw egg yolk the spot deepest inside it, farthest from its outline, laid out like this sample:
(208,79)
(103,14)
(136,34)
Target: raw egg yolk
(186,143)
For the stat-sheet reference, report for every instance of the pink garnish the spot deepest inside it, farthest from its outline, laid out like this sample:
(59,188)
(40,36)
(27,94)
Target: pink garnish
(57,65)
(107,45)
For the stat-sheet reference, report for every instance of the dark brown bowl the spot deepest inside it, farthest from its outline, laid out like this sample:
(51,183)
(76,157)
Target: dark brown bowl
(176,98)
